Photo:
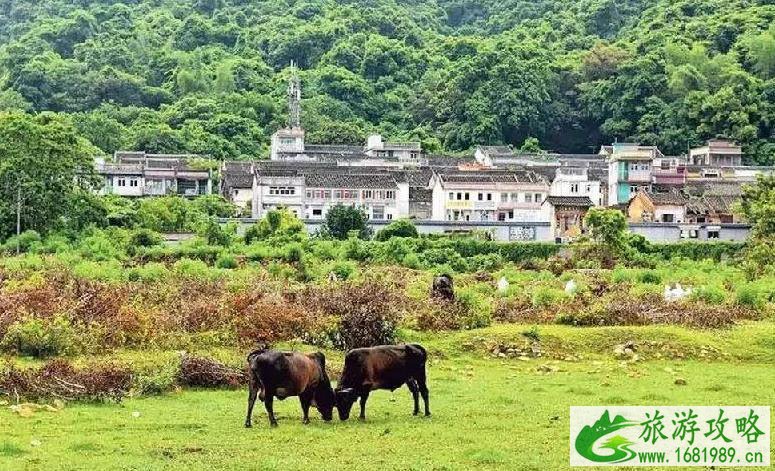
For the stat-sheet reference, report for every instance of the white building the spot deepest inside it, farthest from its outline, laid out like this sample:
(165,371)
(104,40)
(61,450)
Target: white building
(629,170)
(489,196)
(141,174)
(310,191)
(575,181)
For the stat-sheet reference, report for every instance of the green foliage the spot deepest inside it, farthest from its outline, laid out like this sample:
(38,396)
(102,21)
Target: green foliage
(343,220)
(144,238)
(608,227)
(709,294)
(23,242)
(39,338)
(279,224)
(758,206)
(227,261)
(46,174)
(399,228)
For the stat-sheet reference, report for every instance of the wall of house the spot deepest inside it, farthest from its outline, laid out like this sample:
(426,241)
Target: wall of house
(667,232)
(585,188)
(678,213)
(637,207)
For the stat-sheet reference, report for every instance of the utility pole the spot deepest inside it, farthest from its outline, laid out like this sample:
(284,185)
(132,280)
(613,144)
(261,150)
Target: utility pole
(18,215)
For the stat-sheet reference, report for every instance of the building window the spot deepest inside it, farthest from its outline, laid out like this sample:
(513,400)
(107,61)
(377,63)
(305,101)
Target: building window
(378,212)
(511,214)
(668,218)
(481,196)
(451,196)
(121,182)
(459,196)
(287,141)
(368,194)
(282,190)
(713,234)
(338,194)
(574,188)
(589,189)
(489,196)
(317,213)
(390,195)
(514,197)
(528,197)
(501,216)
(389,216)
(133,182)
(538,198)
(504,197)
(468,196)
(309,194)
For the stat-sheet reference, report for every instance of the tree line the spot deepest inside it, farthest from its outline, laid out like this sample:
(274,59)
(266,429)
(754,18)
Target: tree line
(209,76)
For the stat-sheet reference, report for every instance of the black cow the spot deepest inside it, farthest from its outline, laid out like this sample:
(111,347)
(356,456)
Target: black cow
(285,374)
(383,367)
(443,288)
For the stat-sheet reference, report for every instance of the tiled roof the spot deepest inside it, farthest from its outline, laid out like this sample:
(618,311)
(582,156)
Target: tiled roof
(236,174)
(672,197)
(514,176)
(575,201)
(420,195)
(497,151)
(348,180)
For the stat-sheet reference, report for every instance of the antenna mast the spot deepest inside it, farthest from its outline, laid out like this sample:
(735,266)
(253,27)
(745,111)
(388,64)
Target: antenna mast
(294,99)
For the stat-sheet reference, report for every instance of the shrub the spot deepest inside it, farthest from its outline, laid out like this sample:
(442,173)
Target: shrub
(341,220)
(343,269)
(39,338)
(649,277)
(25,241)
(227,261)
(149,272)
(191,268)
(709,294)
(486,262)
(156,382)
(144,238)
(214,234)
(59,379)
(367,312)
(750,296)
(399,228)
(209,373)
(544,297)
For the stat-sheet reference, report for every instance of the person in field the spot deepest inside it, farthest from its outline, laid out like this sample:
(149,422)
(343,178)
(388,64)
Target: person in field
(284,374)
(383,367)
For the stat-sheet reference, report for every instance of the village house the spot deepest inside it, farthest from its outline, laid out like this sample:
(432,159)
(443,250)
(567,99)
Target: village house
(236,183)
(646,206)
(717,153)
(309,191)
(576,182)
(489,196)
(566,215)
(629,170)
(136,174)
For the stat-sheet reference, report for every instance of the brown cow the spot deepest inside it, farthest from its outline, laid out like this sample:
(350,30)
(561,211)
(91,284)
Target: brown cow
(382,367)
(285,374)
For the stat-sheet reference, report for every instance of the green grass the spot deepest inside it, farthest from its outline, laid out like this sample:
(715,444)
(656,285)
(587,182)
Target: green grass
(487,413)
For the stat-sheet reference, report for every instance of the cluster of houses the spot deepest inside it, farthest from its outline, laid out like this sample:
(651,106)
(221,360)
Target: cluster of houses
(518,196)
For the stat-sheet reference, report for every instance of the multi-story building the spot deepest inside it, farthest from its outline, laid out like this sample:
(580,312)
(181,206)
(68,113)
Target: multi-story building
(489,196)
(142,174)
(576,182)
(309,191)
(236,183)
(717,153)
(629,170)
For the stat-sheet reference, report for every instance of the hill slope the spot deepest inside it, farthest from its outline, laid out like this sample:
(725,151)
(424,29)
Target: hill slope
(209,76)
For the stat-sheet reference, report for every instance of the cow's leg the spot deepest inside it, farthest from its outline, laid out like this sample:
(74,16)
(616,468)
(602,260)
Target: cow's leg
(306,399)
(268,403)
(423,390)
(412,385)
(252,393)
(364,398)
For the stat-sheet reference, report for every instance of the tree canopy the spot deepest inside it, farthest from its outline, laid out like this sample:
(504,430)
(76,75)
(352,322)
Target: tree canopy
(210,76)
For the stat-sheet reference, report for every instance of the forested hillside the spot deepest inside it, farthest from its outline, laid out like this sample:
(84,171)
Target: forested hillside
(209,76)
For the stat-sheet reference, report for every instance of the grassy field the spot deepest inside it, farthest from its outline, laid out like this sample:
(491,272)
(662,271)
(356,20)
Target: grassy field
(488,413)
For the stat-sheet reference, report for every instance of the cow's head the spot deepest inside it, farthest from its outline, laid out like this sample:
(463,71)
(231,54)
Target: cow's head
(324,401)
(345,398)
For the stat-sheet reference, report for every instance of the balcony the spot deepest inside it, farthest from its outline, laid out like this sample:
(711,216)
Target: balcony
(639,176)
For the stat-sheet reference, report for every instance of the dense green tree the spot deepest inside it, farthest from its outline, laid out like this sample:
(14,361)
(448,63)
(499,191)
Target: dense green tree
(342,221)
(46,175)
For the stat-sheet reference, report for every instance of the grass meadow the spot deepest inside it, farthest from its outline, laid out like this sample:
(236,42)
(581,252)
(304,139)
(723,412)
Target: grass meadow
(489,412)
